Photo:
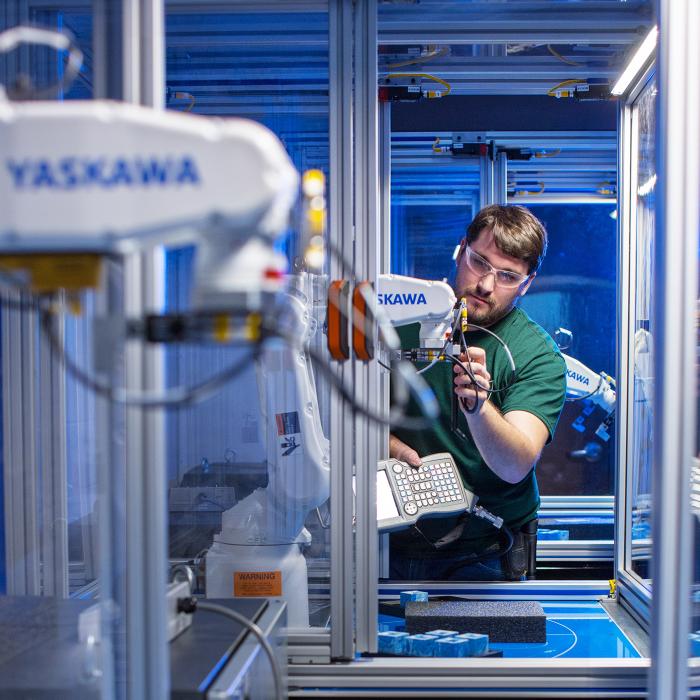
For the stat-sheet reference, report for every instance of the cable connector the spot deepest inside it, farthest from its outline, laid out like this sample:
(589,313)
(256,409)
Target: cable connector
(187,605)
(592,92)
(484,514)
(399,93)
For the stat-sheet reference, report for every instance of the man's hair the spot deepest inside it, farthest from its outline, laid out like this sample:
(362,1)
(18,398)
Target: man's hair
(516,230)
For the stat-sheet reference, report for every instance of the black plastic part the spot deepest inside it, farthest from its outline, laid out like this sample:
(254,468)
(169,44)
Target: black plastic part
(529,530)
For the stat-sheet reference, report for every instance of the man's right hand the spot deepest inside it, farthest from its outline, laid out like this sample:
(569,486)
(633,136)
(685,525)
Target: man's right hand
(401,451)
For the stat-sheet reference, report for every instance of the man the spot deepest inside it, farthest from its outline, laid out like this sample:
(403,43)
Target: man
(495,440)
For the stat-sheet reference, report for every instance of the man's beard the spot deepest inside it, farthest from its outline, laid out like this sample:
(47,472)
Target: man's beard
(485,314)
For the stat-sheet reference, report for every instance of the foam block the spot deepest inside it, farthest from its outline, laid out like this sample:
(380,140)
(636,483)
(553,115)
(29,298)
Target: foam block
(502,621)
(405,596)
(392,643)
(421,645)
(441,633)
(453,647)
(478,643)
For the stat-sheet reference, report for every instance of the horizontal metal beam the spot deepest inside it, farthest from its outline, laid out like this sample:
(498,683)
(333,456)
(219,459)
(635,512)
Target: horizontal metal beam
(563,198)
(509,678)
(463,68)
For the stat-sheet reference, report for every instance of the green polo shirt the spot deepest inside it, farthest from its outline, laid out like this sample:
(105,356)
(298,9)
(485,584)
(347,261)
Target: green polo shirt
(539,389)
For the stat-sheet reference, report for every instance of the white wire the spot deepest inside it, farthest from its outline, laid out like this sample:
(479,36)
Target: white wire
(242,620)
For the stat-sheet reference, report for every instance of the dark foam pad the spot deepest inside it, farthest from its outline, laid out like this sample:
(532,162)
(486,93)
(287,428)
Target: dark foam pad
(502,620)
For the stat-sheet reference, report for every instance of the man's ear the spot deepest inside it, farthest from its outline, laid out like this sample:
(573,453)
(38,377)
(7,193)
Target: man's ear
(527,284)
(460,252)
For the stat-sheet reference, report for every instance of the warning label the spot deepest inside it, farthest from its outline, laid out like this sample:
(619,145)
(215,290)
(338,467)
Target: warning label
(257,584)
(287,423)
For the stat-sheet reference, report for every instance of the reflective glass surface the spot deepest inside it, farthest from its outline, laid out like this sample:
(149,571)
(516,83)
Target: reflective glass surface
(573,299)
(57,574)
(642,427)
(243,450)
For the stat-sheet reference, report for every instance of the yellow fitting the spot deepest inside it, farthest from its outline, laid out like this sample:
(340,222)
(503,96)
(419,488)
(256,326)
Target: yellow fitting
(316,219)
(252,328)
(50,272)
(613,587)
(222,331)
(313,183)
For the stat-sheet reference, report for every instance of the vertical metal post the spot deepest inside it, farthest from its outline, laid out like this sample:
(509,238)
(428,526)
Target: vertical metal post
(367,261)
(500,179)
(54,475)
(625,331)
(384,266)
(20,459)
(340,45)
(107,49)
(676,289)
(130,65)
(144,276)
(486,181)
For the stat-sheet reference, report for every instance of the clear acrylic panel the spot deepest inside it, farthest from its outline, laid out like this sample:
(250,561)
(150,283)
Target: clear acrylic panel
(239,451)
(573,299)
(694,647)
(60,609)
(642,426)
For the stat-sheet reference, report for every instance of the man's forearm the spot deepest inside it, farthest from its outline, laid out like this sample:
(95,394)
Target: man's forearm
(506,450)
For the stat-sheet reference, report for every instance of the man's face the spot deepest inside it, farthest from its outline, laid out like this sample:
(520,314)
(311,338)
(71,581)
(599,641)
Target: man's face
(487,301)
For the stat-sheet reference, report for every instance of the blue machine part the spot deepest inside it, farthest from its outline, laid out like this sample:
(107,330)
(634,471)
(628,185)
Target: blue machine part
(441,633)
(695,644)
(453,647)
(421,645)
(393,643)
(412,595)
(478,643)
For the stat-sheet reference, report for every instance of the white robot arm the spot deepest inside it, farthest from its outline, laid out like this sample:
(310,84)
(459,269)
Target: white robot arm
(582,382)
(106,177)
(406,300)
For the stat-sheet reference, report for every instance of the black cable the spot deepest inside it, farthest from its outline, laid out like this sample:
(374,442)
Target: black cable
(178,396)
(589,394)
(320,363)
(484,556)
(462,400)
(252,627)
(504,345)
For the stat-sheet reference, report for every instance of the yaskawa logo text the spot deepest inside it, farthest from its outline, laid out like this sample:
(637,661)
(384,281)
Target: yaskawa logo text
(390,299)
(578,377)
(106,172)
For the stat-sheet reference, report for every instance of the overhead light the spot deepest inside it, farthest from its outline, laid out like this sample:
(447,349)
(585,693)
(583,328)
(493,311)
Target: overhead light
(641,56)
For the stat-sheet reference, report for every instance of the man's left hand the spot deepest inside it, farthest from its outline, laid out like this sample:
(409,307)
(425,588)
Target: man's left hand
(471,389)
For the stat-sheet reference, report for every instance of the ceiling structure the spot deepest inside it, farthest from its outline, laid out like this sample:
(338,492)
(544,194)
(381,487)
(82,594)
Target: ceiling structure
(269,61)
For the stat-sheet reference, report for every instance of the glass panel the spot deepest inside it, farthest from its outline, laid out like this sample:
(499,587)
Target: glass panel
(239,449)
(642,435)
(423,239)
(573,299)
(695,495)
(57,575)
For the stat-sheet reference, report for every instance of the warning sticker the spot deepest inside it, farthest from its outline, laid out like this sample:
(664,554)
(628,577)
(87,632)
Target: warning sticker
(257,584)
(287,423)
